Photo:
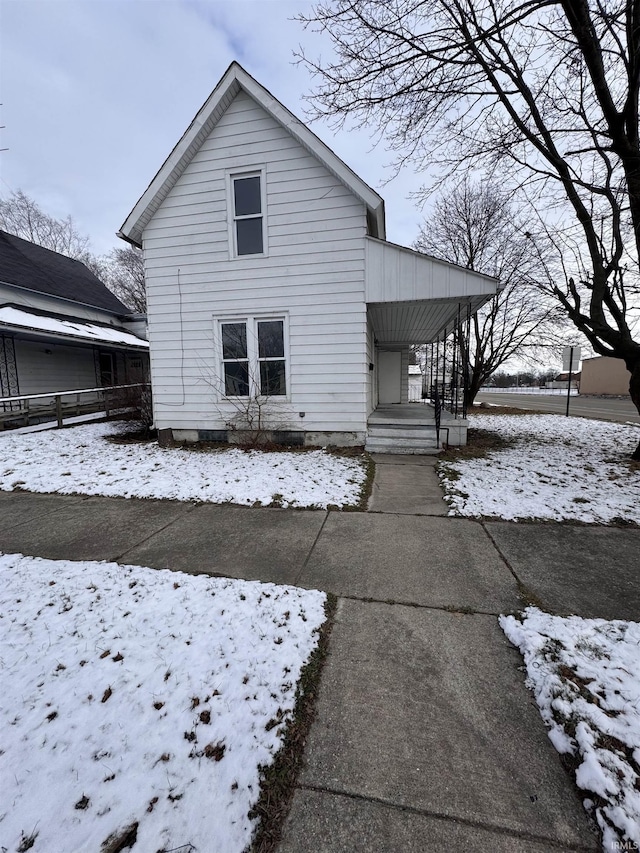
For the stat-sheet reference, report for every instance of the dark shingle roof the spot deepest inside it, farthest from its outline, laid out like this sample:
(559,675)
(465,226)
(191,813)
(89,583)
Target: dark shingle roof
(31,266)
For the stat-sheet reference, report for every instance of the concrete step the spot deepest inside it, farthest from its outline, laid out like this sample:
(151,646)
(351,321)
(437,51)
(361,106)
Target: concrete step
(397,444)
(390,420)
(419,431)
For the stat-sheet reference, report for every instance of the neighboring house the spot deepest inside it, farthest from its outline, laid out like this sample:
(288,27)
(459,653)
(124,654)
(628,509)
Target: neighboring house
(269,279)
(60,328)
(604,375)
(562,380)
(415,383)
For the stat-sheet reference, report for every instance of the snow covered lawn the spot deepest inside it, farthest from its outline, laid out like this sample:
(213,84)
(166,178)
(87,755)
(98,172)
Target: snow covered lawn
(141,701)
(80,460)
(558,468)
(585,674)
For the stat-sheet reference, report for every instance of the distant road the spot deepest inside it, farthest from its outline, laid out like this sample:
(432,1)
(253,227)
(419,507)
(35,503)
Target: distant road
(597,408)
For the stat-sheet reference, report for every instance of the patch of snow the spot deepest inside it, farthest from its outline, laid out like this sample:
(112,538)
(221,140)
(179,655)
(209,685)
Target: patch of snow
(137,696)
(585,674)
(74,328)
(558,468)
(80,460)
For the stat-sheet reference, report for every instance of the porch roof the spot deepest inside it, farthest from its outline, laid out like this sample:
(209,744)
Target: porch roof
(412,297)
(22,320)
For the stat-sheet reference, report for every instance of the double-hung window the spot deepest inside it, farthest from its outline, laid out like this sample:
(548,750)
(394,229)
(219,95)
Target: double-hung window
(248,215)
(235,359)
(271,358)
(254,361)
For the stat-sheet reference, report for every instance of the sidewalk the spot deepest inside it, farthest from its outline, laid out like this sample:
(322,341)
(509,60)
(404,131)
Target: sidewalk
(425,737)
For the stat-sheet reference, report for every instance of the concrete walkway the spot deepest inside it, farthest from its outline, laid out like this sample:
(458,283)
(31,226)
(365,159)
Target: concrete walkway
(426,738)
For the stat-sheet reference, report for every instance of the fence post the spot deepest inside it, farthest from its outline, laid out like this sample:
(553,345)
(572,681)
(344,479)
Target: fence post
(59,409)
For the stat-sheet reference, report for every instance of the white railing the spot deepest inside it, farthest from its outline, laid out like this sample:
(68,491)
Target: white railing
(528,389)
(65,404)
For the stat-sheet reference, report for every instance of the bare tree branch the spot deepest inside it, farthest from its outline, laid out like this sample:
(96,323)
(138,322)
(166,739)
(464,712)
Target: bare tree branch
(545,94)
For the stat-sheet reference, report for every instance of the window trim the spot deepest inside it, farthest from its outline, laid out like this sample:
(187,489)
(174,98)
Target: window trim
(231,176)
(253,358)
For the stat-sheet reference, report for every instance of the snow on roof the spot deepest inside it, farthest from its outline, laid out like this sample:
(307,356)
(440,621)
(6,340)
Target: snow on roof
(10,316)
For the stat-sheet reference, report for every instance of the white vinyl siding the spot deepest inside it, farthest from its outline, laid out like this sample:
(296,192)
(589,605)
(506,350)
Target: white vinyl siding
(46,367)
(314,273)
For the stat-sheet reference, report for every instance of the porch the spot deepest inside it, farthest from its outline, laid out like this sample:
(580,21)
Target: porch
(412,428)
(414,300)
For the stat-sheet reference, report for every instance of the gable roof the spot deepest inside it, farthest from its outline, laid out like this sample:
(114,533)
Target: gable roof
(234,80)
(32,267)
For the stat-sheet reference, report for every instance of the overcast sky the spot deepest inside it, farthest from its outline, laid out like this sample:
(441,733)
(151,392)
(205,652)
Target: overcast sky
(96,93)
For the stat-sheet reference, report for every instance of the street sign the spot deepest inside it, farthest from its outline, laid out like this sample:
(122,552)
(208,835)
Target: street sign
(570,364)
(571,359)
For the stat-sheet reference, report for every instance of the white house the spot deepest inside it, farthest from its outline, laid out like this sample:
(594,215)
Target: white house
(269,279)
(60,327)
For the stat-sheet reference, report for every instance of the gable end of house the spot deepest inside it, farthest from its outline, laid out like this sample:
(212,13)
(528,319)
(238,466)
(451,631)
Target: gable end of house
(235,80)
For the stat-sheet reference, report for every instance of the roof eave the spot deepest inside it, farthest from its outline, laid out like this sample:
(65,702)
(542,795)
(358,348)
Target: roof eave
(65,299)
(45,334)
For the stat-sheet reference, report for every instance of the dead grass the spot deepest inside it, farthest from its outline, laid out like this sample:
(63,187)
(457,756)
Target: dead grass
(141,436)
(279,779)
(486,409)
(479,443)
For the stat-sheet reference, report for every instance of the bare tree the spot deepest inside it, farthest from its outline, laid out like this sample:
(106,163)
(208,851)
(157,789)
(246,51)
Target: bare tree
(23,217)
(475,226)
(544,93)
(123,273)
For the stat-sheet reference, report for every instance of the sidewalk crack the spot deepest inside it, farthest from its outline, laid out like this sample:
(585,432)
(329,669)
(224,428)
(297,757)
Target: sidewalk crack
(528,596)
(154,533)
(311,550)
(475,824)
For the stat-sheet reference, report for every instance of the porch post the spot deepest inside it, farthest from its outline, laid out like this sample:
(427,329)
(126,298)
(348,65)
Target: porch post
(466,363)
(444,368)
(456,367)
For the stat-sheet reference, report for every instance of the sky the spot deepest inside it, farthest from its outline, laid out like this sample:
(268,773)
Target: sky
(95,94)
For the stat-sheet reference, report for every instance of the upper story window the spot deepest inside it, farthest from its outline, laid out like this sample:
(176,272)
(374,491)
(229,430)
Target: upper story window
(247,203)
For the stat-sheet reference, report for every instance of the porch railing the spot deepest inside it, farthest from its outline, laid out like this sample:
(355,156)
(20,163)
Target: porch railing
(27,409)
(447,366)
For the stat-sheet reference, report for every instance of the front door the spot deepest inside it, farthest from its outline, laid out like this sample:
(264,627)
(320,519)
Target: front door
(389,377)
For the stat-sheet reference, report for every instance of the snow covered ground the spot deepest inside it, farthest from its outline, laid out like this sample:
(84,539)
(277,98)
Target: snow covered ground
(79,460)
(558,468)
(141,700)
(585,674)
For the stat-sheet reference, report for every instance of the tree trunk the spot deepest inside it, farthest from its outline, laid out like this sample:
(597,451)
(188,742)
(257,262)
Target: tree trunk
(634,391)
(472,391)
